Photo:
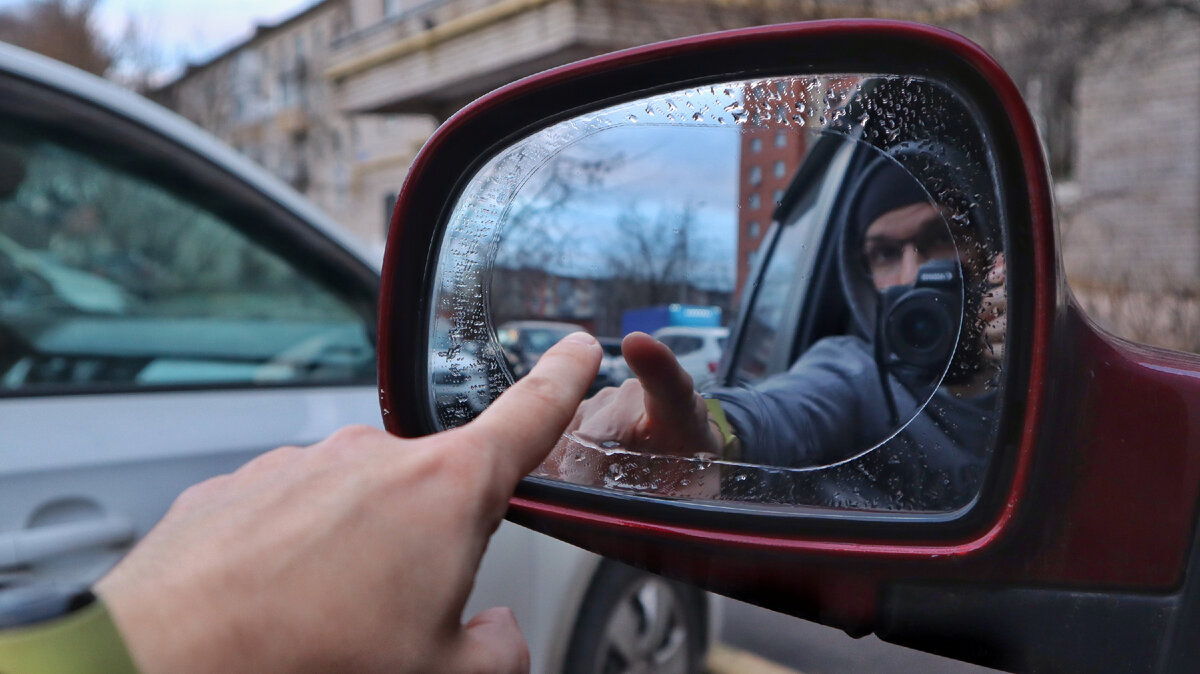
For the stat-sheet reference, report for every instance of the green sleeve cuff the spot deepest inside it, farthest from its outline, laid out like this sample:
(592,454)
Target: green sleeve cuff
(731,447)
(82,642)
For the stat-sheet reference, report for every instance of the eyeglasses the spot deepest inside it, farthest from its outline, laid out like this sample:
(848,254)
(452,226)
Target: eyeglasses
(883,254)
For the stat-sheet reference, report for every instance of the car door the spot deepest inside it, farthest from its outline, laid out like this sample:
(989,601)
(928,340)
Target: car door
(163,318)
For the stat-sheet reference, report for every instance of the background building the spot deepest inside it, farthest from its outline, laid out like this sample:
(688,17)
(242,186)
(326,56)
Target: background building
(337,99)
(268,98)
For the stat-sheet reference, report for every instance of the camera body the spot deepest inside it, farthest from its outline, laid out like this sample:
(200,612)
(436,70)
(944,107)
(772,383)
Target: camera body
(919,323)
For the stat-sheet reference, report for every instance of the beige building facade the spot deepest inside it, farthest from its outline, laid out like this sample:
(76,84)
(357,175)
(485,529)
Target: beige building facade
(268,98)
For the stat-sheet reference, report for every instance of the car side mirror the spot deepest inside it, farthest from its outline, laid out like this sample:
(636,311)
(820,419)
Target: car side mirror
(916,417)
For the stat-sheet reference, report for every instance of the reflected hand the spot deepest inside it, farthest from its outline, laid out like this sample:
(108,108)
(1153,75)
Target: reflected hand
(657,412)
(355,554)
(994,312)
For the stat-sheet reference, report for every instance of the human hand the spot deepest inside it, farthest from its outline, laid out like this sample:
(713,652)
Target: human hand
(658,412)
(356,554)
(994,312)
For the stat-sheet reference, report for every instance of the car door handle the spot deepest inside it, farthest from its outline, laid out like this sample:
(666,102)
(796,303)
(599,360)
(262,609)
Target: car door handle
(19,548)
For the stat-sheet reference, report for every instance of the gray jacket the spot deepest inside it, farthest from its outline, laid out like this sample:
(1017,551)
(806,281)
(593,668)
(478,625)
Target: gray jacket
(828,410)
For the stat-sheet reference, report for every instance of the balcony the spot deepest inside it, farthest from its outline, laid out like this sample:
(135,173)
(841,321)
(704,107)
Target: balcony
(438,56)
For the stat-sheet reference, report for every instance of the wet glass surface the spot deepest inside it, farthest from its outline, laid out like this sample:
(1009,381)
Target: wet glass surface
(820,254)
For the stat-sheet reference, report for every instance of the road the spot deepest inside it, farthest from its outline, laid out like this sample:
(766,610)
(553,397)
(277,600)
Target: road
(758,641)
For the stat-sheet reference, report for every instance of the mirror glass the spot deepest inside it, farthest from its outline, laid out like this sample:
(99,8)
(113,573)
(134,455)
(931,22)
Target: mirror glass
(818,261)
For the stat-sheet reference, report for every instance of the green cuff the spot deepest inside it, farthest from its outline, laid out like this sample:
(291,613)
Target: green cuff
(731,448)
(82,642)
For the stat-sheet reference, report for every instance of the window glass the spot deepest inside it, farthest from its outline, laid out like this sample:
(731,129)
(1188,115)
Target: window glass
(761,353)
(682,345)
(108,280)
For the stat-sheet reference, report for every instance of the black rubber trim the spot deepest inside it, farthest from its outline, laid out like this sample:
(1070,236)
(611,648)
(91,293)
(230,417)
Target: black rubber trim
(480,137)
(1030,629)
(1181,645)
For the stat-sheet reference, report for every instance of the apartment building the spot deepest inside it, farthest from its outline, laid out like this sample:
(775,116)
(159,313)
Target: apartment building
(268,97)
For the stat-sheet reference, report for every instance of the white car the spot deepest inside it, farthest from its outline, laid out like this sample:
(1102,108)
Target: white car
(698,350)
(225,316)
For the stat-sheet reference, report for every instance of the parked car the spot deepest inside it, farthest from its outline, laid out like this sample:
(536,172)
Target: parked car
(1064,537)
(613,368)
(168,310)
(697,349)
(524,342)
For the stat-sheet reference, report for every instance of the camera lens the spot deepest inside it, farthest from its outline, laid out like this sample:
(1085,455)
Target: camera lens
(921,328)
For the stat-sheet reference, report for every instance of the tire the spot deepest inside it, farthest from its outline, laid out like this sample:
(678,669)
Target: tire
(635,622)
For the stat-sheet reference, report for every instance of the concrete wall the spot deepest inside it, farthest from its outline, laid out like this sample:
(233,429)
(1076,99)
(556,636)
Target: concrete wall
(1130,221)
(1134,220)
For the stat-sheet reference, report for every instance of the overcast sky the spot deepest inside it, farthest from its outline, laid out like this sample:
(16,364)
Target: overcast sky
(180,31)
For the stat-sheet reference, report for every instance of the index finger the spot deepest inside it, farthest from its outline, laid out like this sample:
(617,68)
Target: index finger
(669,388)
(523,424)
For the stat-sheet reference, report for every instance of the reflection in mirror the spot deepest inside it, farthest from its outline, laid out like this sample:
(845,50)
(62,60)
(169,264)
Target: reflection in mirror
(798,282)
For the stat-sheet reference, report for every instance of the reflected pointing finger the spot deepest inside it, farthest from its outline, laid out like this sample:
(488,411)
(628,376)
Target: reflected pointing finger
(668,387)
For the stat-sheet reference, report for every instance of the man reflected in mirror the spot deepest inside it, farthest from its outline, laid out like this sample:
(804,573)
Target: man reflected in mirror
(848,393)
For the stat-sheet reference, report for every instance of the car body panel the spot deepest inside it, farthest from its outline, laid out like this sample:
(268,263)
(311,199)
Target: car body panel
(84,474)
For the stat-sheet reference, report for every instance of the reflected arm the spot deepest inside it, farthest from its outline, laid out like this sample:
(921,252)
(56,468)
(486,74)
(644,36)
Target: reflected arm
(821,411)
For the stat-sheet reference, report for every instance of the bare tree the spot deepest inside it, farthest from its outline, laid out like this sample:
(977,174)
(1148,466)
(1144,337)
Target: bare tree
(61,29)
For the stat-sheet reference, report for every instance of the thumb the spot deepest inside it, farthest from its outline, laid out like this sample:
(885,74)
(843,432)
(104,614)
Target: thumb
(492,642)
(669,396)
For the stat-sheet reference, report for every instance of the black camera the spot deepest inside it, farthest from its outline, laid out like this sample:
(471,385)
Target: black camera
(919,323)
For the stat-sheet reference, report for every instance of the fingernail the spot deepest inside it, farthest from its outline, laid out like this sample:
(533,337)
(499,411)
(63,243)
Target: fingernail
(581,338)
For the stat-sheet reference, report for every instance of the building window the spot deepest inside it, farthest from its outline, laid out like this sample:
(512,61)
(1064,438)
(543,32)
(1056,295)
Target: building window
(780,139)
(754,230)
(755,175)
(778,198)
(756,145)
(780,168)
(754,201)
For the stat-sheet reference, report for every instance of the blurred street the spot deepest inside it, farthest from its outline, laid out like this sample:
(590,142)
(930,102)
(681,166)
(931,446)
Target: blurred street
(758,641)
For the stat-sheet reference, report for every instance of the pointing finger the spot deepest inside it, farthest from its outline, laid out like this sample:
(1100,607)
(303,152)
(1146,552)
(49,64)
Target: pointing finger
(525,421)
(669,393)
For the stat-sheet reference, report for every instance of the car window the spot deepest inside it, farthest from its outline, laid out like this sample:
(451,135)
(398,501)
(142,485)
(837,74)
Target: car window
(682,345)
(611,348)
(540,340)
(110,280)
(789,268)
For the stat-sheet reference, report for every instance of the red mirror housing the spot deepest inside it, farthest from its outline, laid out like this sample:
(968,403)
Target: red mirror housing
(1083,533)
